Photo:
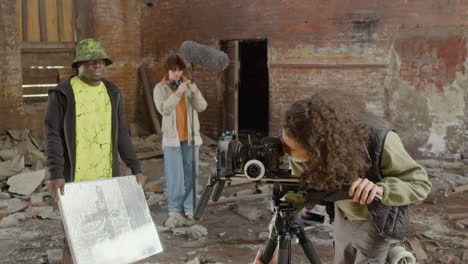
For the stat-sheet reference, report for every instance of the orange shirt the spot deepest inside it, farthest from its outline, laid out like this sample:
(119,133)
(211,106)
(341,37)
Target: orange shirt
(181,119)
(181,114)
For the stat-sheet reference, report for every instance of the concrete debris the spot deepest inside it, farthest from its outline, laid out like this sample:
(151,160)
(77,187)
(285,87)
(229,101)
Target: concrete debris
(9,221)
(449,259)
(222,234)
(55,255)
(197,232)
(441,164)
(462,223)
(194,232)
(31,153)
(5,142)
(20,216)
(4,196)
(11,167)
(43,212)
(38,165)
(14,205)
(26,183)
(41,199)
(465,255)
(18,234)
(156,199)
(193,261)
(18,134)
(264,235)
(207,140)
(418,250)
(249,211)
(180,231)
(137,131)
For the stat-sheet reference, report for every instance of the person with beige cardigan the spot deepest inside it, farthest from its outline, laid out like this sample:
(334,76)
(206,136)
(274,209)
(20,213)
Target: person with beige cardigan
(173,99)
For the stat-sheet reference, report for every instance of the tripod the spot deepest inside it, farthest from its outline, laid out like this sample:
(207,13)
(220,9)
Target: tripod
(285,227)
(283,231)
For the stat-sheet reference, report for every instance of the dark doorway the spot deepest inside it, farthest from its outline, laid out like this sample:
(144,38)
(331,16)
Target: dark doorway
(253,97)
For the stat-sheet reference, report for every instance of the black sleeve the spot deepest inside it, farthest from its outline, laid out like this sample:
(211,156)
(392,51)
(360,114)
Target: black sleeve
(125,144)
(55,140)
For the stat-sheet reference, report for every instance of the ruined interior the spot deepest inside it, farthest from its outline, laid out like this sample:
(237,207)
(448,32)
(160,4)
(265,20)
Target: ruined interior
(405,61)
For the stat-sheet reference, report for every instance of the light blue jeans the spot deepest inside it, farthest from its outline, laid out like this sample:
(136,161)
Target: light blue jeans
(178,170)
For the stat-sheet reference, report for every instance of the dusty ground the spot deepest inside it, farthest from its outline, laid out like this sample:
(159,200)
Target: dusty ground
(234,239)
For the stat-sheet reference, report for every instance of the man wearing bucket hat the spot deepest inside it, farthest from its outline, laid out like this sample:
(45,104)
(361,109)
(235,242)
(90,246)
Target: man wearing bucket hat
(84,125)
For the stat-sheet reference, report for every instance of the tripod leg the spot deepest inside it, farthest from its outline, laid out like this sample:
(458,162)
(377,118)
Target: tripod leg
(307,246)
(284,253)
(269,249)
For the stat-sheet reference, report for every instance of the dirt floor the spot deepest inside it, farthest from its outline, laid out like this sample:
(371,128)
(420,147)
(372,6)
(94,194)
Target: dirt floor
(233,238)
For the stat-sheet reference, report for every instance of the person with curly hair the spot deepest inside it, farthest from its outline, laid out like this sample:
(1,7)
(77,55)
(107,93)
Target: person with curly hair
(333,147)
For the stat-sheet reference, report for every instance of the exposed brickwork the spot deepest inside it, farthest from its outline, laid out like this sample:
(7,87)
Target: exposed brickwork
(117,23)
(409,57)
(11,114)
(323,32)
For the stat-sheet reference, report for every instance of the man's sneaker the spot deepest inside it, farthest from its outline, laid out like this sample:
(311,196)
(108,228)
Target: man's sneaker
(175,220)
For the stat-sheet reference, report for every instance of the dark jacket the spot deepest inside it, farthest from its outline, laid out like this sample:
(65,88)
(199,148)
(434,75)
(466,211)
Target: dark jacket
(390,221)
(61,138)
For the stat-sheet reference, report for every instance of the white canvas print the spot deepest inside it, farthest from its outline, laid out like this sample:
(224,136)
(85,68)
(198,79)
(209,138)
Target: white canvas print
(108,221)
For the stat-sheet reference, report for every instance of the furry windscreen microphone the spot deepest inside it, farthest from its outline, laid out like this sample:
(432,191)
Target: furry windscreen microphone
(204,56)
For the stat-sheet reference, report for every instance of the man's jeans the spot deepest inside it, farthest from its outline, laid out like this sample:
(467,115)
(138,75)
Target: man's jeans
(178,170)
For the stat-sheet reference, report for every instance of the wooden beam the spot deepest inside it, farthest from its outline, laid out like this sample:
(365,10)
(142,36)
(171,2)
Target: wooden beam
(68,20)
(28,47)
(19,13)
(51,21)
(34,32)
(457,216)
(328,65)
(149,100)
(43,20)
(418,249)
(24,19)
(84,22)
(60,22)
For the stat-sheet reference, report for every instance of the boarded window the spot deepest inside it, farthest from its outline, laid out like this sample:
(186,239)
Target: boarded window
(48,45)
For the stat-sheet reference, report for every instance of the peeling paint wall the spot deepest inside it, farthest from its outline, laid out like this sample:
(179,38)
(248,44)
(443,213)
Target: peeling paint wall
(427,95)
(403,60)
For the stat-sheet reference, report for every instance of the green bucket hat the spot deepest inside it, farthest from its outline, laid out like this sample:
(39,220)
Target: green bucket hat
(90,49)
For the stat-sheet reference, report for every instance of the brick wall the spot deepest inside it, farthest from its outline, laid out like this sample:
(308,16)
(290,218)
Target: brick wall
(117,23)
(365,40)
(11,100)
(405,60)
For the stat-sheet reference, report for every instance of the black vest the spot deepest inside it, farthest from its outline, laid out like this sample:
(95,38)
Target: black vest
(390,221)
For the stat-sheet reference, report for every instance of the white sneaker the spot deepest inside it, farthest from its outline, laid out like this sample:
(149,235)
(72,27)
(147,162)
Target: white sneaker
(175,220)
(189,216)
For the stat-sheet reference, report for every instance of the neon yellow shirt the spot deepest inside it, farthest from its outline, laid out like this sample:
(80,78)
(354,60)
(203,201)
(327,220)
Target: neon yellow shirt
(93,131)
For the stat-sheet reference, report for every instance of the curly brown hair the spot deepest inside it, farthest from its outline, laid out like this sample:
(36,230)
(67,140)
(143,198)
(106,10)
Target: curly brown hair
(335,141)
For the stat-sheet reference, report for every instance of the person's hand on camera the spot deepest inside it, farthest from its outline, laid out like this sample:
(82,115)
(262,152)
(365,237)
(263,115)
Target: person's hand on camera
(182,88)
(259,255)
(55,185)
(364,191)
